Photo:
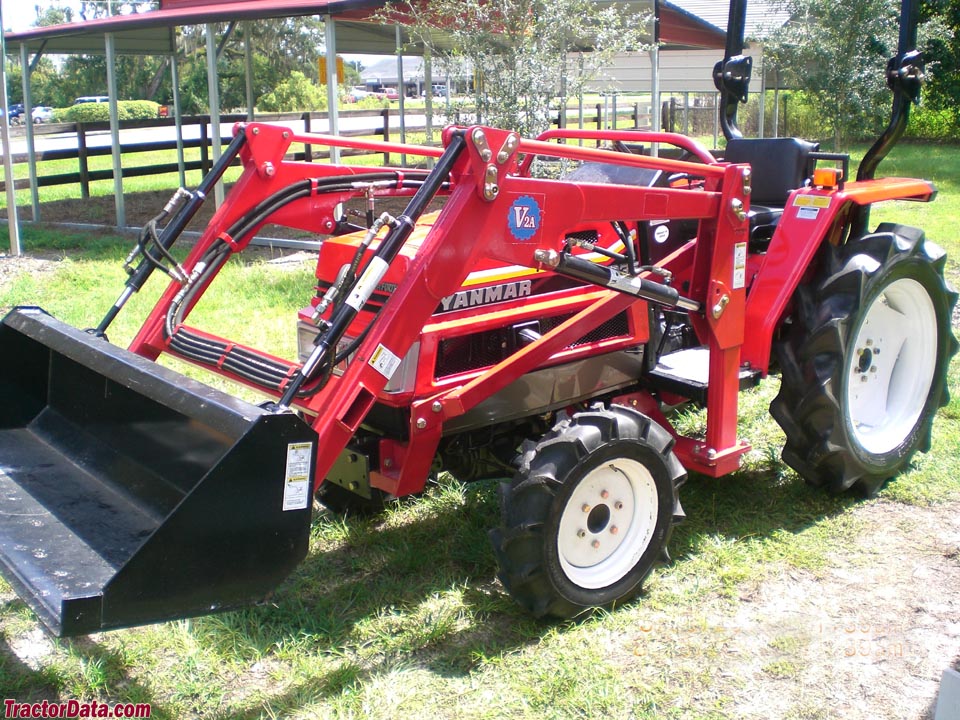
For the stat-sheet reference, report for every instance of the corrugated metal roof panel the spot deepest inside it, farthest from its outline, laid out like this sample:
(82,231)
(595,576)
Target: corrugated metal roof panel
(762,15)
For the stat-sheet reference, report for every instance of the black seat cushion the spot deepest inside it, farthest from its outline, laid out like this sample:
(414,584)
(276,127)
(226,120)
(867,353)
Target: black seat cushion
(780,165)
(764,215)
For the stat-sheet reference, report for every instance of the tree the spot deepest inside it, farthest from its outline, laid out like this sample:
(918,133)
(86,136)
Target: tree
(280,47)
(138,76)
(836,52)
(941,48)
(519,49)
(93,9)
(297,92)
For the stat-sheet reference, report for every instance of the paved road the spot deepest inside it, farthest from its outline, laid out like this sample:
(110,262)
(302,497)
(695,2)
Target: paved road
(142,135)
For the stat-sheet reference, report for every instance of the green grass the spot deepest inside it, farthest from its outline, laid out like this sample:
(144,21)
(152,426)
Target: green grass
(401,616)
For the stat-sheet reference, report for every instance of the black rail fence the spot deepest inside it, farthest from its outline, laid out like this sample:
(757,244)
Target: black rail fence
(605,116)
(84,151)
(601,116)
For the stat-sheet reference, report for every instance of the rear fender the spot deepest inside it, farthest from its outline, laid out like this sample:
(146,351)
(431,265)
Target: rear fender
(810,218)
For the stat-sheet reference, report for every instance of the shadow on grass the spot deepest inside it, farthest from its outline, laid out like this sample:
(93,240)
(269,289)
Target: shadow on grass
(751,504)
(364,601)
(367,592)
(17,679)
(104,671)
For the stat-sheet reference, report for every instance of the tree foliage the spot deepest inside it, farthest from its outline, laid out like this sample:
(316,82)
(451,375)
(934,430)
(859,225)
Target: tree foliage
(297,92)
(836,53)
(519,49)
(941,47)
(280,48)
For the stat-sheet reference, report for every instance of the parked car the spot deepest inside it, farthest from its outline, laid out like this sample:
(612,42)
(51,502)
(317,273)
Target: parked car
(356,94)
(391,94)
(16,114)
(91,99)
(42,114)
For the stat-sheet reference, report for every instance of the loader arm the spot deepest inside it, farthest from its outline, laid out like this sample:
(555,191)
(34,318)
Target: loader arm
(495,212)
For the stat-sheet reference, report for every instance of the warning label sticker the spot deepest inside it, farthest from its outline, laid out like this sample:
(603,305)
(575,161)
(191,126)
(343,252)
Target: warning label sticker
(296,485)
(739,265)
(808,213)
(384,361)
(812,201)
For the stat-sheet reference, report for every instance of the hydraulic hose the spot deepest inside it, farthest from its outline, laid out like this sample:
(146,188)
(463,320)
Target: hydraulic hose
(364,287)
(246,363)
(172,231)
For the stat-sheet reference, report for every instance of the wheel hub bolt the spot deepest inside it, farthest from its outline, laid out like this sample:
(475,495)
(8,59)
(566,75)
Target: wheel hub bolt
(604,494)
(586,508)
(581,533)
(614,530)
(618,505)
(595,544)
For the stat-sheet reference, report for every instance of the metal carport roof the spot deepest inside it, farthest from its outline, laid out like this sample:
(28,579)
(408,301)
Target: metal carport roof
(152,33)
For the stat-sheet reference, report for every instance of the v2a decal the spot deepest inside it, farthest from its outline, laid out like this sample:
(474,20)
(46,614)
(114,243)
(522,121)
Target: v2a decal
(524,217)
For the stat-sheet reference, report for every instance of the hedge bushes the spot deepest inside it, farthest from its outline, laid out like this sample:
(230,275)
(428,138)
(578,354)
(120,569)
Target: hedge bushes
(297,92)
(936,125)
(100,112)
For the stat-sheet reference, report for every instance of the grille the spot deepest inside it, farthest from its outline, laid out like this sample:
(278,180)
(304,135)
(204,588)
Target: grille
(617,326)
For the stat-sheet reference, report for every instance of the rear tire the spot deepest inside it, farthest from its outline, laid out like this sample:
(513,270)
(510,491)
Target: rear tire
(589,513)
(864,363)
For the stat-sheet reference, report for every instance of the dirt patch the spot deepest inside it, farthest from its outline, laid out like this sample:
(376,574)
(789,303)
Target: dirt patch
(872,637)
(139,208)
(867,637)
(36,264)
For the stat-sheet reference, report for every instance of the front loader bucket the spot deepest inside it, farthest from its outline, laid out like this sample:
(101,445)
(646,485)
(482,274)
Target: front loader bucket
(130,494)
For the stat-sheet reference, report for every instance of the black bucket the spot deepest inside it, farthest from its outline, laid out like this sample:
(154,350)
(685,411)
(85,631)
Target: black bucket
(131,494)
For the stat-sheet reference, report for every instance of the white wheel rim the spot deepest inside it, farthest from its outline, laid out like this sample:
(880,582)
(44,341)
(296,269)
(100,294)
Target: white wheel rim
(608,523)
(891,366)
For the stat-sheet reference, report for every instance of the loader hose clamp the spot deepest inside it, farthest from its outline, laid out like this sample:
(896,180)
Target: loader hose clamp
(227,239)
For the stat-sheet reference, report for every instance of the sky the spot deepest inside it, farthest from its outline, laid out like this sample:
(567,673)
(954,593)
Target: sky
(19,14)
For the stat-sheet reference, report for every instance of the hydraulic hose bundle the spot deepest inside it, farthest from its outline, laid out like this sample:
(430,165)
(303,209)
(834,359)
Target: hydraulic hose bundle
(247,363)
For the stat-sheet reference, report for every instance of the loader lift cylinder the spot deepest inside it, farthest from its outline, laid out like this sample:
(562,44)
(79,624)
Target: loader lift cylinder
(363,288)
(172,231)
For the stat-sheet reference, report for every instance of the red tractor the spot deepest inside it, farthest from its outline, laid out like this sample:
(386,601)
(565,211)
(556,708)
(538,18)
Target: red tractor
(533,326)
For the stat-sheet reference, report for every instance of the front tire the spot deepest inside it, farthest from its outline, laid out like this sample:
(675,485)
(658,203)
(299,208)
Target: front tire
(864,363)
(589,513)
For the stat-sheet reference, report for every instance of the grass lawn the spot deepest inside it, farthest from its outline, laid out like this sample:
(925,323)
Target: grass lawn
(772,583)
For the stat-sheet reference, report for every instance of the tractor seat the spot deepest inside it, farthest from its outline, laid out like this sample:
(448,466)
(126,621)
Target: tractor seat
(780,166)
